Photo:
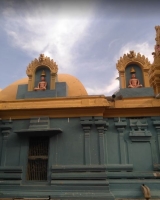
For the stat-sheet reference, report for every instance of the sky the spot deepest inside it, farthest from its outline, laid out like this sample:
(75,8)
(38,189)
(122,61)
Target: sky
(85,38)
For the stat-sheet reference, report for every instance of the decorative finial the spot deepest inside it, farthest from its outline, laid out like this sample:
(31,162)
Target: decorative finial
(132,71)
(43,73)
(131,54)
(41,58)
(157,35)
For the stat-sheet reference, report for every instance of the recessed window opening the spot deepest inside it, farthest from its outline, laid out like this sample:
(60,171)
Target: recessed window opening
(38,158)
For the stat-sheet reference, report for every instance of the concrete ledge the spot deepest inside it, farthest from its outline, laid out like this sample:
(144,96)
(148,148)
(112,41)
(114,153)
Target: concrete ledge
(61,90)
(135,92)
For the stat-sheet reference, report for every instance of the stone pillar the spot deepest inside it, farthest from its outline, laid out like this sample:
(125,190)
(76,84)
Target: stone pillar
(87,154)
(156,124)
(101,126)
(122,79)
(30,85)
(4,144)
(146,78)
(121,125)
(53,80)
(5,130)
(86,123)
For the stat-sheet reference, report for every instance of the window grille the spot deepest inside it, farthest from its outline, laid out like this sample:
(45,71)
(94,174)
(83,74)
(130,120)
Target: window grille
(38,158)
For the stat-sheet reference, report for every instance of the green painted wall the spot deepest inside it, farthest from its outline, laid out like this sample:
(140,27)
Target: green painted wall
(97,157)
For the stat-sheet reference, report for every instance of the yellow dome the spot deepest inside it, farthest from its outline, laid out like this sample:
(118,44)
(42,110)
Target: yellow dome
(75,87)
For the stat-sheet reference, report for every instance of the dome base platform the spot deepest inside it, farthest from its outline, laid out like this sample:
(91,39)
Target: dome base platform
(61,90)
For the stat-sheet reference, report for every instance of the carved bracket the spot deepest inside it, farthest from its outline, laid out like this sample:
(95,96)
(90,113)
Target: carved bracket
(39,126)
(101,124)
(86,123)
(139,130)
(6,126)
(120,123)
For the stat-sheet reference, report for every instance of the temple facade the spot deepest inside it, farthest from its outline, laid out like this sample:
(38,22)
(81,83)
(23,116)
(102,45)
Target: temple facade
(58,142)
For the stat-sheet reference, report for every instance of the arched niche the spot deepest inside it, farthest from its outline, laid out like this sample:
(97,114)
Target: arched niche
(138,73)
(141,64)
(38,73)
(34,70)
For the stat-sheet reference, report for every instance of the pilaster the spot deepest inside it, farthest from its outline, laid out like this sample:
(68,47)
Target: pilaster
(121,124)
(101,126)
(86,123)
(156,124)
(122,79)
(53,80)
(5,128)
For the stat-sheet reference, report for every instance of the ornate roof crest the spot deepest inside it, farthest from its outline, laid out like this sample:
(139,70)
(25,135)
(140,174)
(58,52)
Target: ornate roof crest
(132,57)
(42,61)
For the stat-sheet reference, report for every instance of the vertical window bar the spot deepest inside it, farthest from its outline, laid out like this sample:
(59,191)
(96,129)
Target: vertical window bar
(38,158)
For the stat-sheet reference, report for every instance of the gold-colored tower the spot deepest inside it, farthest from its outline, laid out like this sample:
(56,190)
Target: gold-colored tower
(154,72)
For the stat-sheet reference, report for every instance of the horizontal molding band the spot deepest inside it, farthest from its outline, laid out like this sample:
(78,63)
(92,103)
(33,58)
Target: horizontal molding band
(102,175)
(9,182)
(81,183)
(16,169)
(130,175)
(92,168)
(79,176)
(10,176)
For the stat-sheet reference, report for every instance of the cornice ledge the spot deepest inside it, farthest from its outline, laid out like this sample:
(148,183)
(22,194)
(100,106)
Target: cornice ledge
(73,102)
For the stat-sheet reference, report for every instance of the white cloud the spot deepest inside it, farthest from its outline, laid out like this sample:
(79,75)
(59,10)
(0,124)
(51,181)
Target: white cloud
(54,31)
(108,89)
(143,48)
(47,30)
(113,86)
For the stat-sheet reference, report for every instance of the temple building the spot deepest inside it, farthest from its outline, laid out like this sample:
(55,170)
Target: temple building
(58,142)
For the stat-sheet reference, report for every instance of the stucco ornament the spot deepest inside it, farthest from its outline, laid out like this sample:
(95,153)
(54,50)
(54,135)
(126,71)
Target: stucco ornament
(154,72)
(130,58)
(45,62)
(133,58)
(42,61)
